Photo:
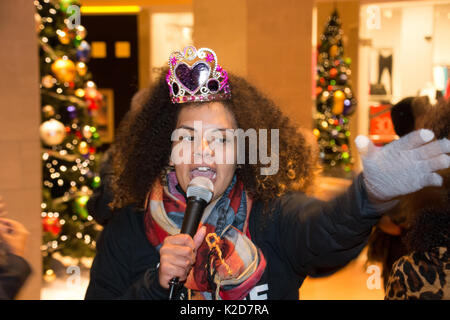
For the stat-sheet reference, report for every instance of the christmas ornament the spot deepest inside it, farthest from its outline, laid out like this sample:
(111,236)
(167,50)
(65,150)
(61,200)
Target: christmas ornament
(92,94)
(338,102)
(48,81)
(316,132)
(52,225)
(83,51)
(96,182)
(79,93)
(333,72)
(72,112)
(48,110)
(333,51)
(64,4)
(81,32)
(64,70)
(63,36)
(80,206)
(324,96)
(87,133)
(49,275)
(83,147)
(38,22)
(349,106)
(52,132)
(81,68)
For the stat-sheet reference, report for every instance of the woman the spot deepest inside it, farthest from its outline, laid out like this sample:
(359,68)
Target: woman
(257,239)
(423,271)
(385,244)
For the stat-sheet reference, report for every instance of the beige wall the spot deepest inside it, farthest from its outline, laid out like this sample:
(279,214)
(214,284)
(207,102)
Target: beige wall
(268,43)
(20,170)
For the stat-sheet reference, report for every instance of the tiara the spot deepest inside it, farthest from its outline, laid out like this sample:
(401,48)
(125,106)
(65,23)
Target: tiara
(194,76)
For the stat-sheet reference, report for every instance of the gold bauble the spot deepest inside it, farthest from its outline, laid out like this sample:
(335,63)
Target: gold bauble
(338,102)
(333,50)
(64,70)
(63,37)
(48,110)
(81,68)
(79,93)
(48,81)
(49,275)
(83,147)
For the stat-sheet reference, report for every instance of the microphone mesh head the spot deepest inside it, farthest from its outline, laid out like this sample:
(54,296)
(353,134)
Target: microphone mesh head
(201,187)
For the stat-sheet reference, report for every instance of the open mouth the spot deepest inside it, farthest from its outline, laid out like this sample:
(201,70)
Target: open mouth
(204,171)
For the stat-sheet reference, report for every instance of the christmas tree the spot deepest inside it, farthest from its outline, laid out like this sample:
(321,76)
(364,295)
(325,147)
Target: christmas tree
(69,103)
(334,101)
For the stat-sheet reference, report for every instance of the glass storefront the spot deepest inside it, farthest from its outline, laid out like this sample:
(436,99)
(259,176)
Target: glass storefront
(404,51)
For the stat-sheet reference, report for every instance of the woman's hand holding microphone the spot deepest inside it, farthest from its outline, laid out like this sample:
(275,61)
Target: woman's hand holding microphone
(177,256)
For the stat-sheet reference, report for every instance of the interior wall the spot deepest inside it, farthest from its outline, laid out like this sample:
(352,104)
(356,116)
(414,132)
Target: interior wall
(162,29)
(222,26)
(20,162)
(273,51)
(416,50)
(441,42)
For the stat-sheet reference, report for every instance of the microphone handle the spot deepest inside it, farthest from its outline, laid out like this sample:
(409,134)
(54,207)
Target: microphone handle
(194,212)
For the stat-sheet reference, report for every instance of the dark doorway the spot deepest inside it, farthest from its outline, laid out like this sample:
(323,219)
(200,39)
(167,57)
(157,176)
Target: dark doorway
(117,68)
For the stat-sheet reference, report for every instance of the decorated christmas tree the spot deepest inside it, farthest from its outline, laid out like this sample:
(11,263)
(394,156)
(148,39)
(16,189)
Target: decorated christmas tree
(334,101)
(69,104)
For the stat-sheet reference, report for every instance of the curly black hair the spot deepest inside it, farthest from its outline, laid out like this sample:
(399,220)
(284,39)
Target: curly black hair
(143,145)
(430,218)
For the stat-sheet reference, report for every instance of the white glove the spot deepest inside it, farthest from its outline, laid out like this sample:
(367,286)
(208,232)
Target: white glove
(403,166)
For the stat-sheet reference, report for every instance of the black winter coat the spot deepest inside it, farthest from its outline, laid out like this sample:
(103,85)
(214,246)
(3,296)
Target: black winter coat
(303,237)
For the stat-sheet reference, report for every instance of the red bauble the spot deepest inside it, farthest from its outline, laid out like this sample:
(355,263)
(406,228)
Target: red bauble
(333,72)
(93,105)
(318,90)
(52,225)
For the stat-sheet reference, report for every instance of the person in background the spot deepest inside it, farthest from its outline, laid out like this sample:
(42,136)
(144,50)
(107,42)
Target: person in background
(14,269)
(97,205)
(385,243)
(423,272)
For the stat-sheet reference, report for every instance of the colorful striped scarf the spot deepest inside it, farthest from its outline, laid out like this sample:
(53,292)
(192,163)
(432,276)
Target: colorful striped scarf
(233,262)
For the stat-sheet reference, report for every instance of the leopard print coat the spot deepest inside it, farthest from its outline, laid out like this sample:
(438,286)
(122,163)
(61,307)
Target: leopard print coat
(421,275)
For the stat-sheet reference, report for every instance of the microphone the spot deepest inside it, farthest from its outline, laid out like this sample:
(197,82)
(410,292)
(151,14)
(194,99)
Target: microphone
(199,193)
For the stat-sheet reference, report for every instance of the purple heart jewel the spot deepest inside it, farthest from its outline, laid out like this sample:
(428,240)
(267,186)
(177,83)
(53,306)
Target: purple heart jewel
(192,78)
